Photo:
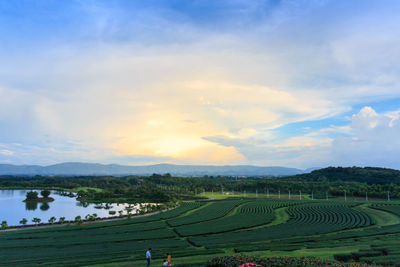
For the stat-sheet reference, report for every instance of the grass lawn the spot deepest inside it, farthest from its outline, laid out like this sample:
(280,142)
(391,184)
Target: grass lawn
(87,188)
(382,218)
(219,195)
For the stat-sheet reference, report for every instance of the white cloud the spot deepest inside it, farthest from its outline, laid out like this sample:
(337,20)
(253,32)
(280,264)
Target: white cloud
(372,139)
(6,152)
(375,141)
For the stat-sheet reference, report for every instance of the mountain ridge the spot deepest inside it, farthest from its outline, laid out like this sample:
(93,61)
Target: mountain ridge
(97,169)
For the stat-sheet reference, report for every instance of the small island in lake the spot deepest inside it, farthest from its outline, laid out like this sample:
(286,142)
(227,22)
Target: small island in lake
(33,196)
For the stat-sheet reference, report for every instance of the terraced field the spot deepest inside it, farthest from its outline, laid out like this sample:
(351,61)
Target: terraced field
(347,231)
(248,215)
(212,211)
(305,219)
(395,209)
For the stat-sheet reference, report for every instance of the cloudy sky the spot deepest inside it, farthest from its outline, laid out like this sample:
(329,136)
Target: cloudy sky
(291,83)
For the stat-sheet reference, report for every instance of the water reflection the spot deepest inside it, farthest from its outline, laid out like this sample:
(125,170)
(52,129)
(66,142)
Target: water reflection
(44,206)
(31,205)
(65,194)
(82,204)
(108,206)
(6,193)
(105,206)
(13,208)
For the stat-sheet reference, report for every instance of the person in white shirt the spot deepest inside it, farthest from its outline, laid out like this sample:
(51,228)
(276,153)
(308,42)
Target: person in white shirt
(148,257)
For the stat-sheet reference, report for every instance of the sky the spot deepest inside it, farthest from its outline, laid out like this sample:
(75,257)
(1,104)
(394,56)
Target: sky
(292,83)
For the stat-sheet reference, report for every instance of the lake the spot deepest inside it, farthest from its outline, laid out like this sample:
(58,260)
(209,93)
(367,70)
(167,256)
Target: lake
(13,209)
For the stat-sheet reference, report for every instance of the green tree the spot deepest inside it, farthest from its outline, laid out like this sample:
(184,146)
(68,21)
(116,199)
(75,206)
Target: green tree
(31,195)
(129,210)
(78,219)
(61,220)
(36,220)
(23,221)
(52,219)
(82,194)
(4,225)
(45,193)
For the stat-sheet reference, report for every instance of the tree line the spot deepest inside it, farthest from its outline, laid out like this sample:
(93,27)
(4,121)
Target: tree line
(166,188)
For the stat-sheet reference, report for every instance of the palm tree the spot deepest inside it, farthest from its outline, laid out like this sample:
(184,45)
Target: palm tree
(23,221)
(52,219)
(129,210)
(36,220)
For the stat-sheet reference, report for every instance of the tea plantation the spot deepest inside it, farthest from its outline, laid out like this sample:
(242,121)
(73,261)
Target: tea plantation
(363,232)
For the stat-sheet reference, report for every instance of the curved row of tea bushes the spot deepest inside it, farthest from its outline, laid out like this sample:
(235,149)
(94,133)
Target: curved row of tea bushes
(208,212)
(251,214)
(392,208)
(307,219)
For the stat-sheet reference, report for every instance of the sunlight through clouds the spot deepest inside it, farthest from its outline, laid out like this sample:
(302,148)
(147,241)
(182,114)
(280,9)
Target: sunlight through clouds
(245,82)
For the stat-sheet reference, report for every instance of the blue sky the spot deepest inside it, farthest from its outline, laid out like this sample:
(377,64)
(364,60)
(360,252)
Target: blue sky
(290,83)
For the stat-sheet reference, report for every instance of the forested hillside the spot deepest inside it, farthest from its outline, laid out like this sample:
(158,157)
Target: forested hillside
(369,175)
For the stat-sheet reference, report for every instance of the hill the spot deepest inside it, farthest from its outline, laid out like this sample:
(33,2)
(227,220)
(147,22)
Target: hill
(78,168)
(369,175)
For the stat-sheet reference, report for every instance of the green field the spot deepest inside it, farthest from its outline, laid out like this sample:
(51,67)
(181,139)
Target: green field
(349,231)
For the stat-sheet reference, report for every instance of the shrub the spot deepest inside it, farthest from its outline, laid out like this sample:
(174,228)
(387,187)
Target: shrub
(241,260)
(45,193)
(343,257)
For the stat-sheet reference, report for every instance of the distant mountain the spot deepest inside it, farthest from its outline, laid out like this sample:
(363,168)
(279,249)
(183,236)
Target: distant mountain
(78,168)
(369,175)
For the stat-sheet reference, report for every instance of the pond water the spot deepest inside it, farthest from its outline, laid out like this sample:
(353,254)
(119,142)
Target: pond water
(13,209)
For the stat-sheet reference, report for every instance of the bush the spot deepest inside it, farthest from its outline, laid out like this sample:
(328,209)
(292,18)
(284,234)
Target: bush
(343,257)
(235,261)
(45,193)
(355,256)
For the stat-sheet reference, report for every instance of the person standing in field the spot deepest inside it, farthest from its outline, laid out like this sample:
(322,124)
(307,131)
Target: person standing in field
(169,259)
(148,257)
